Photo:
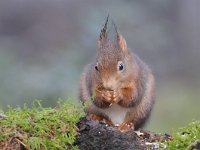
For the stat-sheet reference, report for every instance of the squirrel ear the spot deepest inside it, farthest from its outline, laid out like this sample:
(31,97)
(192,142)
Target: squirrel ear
(122,42)
(103,34)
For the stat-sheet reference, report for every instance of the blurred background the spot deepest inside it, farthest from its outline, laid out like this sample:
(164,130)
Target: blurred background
(44,45)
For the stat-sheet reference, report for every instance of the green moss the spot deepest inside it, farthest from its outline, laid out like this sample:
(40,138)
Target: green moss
(42,128)
(186,137)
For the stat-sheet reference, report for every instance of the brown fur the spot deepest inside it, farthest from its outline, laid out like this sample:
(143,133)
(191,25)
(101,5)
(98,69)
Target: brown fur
(132,88)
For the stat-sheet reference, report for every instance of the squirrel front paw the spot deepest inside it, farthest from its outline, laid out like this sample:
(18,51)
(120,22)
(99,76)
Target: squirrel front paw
(109,96)
(106,95)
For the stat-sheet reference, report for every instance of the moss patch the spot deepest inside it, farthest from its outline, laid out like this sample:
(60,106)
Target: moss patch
(41,128)
(186,138)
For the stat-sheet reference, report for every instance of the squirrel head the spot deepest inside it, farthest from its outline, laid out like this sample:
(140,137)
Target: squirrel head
(114,60)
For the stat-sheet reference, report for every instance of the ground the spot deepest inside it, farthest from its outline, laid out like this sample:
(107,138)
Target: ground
(67,127)
(94,135)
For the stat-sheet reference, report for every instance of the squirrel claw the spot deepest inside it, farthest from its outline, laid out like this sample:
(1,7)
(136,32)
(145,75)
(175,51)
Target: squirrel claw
(116,96)
(126,126)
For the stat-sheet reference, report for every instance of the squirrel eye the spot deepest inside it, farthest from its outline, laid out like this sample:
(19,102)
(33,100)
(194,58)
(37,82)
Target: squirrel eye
(120,66)
(96,68)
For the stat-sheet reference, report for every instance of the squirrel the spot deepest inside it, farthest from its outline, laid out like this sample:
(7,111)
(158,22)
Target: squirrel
(119,83)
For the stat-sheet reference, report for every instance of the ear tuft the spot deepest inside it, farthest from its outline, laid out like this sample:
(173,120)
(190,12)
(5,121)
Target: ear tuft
(103,33)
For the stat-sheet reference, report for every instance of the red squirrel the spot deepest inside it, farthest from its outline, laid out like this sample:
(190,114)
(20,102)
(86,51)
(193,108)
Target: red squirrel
(119,83)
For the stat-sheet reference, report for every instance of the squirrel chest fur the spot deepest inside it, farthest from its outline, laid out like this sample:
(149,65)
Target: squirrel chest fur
(119,85)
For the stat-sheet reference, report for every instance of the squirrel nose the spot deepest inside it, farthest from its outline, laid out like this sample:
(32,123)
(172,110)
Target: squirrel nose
(110,84)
